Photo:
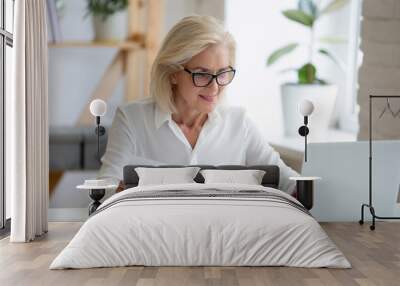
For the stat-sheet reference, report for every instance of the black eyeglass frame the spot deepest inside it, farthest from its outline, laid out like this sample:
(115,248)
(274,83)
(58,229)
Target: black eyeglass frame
(193,74)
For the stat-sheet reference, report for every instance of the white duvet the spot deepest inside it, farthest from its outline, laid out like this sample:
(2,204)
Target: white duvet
(200,231)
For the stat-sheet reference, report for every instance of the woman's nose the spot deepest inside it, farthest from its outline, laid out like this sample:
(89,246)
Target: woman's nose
(213,87)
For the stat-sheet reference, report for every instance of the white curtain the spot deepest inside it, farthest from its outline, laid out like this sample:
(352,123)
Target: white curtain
(27,146)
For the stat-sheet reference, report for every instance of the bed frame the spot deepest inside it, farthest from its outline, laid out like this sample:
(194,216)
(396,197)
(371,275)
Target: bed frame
(270,179)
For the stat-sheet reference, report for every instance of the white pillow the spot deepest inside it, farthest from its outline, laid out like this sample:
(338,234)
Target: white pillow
(162,176)
(249,177)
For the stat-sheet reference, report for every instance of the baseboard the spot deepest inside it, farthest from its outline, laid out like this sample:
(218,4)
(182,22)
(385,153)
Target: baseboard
(67,214)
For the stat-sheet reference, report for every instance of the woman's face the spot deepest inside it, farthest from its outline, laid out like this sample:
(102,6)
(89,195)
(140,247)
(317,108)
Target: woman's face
(213,60)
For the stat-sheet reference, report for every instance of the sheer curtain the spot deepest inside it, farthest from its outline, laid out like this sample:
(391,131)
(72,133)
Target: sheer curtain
(27,124)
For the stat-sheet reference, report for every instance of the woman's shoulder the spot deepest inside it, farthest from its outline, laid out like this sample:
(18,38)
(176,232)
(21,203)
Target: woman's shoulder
(236,116)
(229,112)
(138,107)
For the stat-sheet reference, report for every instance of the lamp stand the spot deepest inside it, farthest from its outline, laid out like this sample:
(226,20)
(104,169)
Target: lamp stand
(96,195)
(100,131)
(303,131)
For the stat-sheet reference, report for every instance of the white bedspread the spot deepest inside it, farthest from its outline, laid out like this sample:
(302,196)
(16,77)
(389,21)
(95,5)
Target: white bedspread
(200,231)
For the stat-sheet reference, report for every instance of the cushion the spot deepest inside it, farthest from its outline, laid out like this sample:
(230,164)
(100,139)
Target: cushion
(249,177)
(161,176)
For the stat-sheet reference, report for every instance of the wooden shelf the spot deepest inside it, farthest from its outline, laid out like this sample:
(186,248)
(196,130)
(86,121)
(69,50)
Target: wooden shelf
(126,45)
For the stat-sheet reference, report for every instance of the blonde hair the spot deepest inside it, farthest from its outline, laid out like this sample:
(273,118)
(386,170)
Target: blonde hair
(189,37)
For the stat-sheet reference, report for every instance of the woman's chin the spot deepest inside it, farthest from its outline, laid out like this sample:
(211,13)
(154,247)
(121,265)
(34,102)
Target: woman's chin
(208,102)
(209,107)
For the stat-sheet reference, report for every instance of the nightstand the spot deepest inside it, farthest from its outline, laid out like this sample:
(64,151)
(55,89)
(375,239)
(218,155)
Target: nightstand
(97,190)
(305,190)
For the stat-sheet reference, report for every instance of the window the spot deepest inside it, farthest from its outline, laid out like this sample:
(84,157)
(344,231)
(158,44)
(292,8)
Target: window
(260,28)
(6,44)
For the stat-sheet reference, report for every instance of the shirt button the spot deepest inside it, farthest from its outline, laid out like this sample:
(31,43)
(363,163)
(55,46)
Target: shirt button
(193,161)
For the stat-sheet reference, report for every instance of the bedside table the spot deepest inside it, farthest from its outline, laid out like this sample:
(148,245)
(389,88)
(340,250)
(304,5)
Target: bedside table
(97,190)
(305,190)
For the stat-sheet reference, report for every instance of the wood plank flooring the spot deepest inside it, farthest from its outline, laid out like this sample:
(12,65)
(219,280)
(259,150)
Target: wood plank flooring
(375,257)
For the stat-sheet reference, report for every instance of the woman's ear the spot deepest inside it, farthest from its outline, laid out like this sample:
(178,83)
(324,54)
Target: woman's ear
(173,78)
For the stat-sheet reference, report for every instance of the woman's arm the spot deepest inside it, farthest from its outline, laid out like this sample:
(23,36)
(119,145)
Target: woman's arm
(121,187)
(121,149)
(260,152)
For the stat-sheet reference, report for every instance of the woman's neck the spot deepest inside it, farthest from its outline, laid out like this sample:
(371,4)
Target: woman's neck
(190,121)
(188,117)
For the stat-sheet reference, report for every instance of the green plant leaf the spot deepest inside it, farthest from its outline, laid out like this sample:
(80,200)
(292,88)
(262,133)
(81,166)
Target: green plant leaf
(332,57)
(299,17)
(308,7)
(105,8)
(281,52)
(307,74)
(332,40)
(333,6)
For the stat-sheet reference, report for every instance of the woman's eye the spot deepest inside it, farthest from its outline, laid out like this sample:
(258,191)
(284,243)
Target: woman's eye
(203,76)
(223,75)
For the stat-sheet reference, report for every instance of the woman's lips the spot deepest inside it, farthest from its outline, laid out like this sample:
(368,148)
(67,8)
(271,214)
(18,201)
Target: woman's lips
(207,98)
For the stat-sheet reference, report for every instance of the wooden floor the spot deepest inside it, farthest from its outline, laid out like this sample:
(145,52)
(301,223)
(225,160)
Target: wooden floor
(374,255)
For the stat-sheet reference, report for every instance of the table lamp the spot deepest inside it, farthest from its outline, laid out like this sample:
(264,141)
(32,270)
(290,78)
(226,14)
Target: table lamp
(305,185)
(306,107)
(97,187)
(98,108)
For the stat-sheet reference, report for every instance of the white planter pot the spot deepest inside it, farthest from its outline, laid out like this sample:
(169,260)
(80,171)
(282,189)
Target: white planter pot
(113,28)
(323,98)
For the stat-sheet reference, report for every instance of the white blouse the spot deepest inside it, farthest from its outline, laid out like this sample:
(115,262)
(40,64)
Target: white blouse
(141,133)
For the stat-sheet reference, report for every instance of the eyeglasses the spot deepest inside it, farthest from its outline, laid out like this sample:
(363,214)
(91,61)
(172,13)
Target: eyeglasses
(203,79)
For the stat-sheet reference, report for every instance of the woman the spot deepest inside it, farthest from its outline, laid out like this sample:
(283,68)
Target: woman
(183,121)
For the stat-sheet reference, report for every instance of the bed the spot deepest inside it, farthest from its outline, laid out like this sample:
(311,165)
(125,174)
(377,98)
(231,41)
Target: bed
(201,224)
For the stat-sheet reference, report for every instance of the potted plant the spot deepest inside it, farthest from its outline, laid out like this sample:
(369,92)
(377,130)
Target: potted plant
(110,19)
(309,85)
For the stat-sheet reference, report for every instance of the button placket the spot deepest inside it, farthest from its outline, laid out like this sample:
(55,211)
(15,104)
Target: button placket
(179,134)
(193,159)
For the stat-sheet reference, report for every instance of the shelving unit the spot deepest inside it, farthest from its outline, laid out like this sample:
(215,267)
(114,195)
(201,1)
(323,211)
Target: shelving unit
(133,60)
(124,46)
(134,57)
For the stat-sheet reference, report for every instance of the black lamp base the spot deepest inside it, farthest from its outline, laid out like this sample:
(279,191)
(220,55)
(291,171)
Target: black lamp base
(305,193)
(96,195)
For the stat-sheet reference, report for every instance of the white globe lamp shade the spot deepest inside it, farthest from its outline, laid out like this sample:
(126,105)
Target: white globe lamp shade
(98,107)
(306,107)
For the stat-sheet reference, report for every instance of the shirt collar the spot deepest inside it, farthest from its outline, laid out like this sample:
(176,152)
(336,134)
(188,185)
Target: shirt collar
(214,116)
(162,116)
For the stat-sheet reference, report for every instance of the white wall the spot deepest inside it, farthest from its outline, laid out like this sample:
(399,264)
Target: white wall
(176,9)
(345,185)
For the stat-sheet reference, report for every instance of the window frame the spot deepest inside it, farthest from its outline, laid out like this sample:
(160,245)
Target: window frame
(6,39)
(349,120)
